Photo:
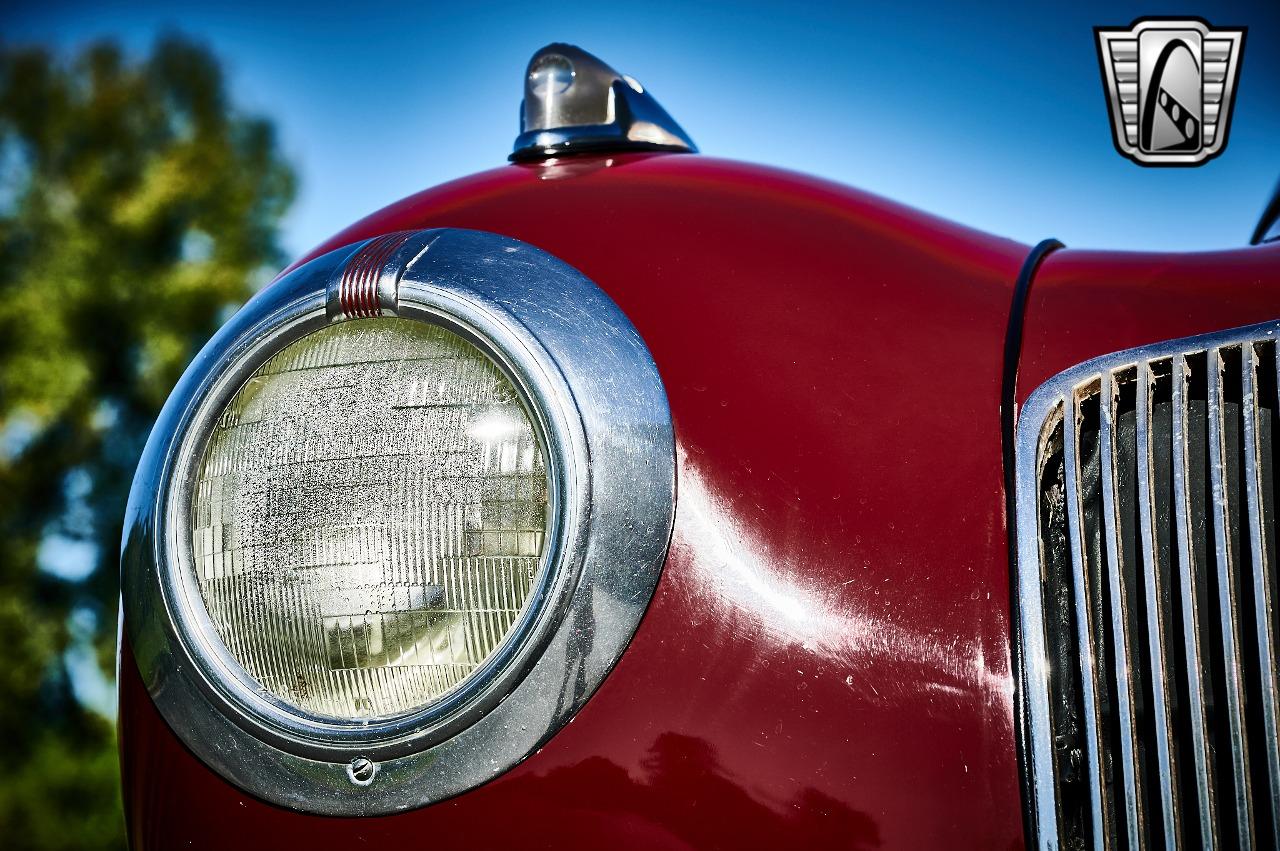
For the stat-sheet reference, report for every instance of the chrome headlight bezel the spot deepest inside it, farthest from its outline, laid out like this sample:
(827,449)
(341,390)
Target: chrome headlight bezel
(598,406)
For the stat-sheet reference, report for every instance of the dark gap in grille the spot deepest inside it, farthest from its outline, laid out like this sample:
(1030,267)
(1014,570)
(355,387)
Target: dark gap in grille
(1159,602)
(1168,611)
(1202,620)
(1089,479)
(1134,613)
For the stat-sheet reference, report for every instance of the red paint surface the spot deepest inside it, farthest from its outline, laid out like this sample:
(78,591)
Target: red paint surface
(1089,303)
(826,660)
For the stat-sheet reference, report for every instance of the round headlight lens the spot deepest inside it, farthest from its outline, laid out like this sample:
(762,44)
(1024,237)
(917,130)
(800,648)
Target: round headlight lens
(370,517)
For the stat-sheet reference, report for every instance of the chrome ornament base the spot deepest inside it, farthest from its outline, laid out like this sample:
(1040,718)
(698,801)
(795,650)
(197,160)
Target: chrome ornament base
(574,103)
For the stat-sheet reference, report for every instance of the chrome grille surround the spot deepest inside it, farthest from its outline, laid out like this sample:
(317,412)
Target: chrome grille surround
(1152,725)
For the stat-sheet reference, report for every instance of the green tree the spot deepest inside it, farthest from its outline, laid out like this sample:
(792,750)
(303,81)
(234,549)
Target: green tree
(137,207)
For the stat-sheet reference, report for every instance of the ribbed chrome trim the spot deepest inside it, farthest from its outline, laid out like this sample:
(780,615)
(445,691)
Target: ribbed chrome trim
(1146,540)
(365,289)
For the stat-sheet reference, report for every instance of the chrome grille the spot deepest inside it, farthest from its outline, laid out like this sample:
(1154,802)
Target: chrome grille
(1147,547)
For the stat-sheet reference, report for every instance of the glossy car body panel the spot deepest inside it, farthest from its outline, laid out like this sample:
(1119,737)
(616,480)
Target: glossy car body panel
(826,659)
(1088,303)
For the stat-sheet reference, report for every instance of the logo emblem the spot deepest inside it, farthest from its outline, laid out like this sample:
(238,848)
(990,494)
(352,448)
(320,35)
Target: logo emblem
(1170,86)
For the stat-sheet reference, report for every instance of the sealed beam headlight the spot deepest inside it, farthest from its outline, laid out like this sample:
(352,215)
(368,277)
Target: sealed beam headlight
(369,518)
(398,521)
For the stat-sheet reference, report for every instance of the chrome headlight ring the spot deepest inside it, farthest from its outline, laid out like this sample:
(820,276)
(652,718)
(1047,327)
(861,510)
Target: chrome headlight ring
(597,402)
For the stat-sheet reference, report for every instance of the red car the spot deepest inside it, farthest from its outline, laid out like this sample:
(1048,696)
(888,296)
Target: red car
(623,497)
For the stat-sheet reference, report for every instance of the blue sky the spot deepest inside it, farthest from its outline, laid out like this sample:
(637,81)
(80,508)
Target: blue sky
(992,117)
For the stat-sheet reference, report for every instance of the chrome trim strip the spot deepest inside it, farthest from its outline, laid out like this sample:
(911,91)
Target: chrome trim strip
(1226,563)
(598,400)
(1119,619)
(1157,630)
(1100,809)
(1190,605)
(1031,619)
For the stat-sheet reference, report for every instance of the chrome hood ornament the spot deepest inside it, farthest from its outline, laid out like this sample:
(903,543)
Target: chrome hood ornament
(575,103)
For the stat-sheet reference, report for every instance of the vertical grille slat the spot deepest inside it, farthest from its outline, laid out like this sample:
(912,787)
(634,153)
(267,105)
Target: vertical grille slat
(1226,553)
(1121,657)
(1261,380)
(1100,810)
(1155,545)
(1147,545)
(1190,562)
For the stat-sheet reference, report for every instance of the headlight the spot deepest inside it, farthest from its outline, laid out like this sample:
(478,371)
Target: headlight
(369,518)
(398,521)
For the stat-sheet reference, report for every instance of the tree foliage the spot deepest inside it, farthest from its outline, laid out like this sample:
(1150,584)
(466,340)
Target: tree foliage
(137,206)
